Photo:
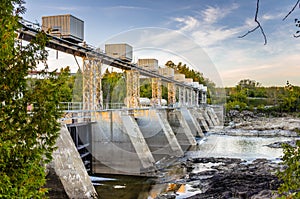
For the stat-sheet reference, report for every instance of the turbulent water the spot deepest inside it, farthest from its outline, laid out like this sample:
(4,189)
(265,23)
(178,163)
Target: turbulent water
(213,145)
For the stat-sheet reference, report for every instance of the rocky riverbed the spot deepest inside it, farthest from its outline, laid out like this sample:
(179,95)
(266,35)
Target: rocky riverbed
(229,178)
(248,124)
(225,177)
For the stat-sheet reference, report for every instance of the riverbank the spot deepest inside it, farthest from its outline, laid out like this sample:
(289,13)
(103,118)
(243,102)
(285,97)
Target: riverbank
(227,178)
(247,123)
(225,172)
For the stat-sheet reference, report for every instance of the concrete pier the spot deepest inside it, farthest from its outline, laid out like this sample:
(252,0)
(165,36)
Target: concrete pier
(199,117)
(119,146)
(139,141)
(158,133)
(206,117)
(70,169)
(181,129)
(218,111)
(191,121)
(212,116)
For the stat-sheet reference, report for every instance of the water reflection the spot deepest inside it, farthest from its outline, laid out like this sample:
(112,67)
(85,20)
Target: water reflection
(124,187)
(247,148)
(131,187)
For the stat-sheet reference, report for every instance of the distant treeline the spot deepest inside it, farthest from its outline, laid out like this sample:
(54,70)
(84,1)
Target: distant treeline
(251,95)
(114,85)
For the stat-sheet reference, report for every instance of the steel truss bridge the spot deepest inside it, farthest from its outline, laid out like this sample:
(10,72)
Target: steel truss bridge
(93,60)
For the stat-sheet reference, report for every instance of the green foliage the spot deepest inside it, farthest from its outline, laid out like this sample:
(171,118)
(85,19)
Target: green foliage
(145,88)
(164,91)
(289,101)
(197,77)
(290,188)
(113,87)
(77,87)
(237,100)
(27,138)
(184,69)
(272,100)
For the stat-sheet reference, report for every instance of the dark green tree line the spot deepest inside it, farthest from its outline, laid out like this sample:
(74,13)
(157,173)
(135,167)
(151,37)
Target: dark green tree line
(249,94)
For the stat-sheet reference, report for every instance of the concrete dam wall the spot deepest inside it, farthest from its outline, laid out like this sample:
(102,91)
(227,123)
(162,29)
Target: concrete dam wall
(130,142)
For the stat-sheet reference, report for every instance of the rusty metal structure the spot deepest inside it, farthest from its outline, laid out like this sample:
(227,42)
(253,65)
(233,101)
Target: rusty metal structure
(93,60)
(92,91)
(132,89)
(171,94)
(156,91)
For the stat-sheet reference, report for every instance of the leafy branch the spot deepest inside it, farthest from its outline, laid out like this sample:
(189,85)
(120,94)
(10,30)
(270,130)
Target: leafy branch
(297,22)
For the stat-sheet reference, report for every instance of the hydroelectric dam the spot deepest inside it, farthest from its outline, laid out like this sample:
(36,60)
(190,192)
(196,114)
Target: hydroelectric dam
(134,138)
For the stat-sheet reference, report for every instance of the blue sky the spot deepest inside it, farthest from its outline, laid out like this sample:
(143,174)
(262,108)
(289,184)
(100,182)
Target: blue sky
(210,25)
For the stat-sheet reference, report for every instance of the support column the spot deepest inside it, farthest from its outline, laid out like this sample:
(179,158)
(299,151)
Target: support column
(171,94)
(156,91)
(92,92)
(204,99)
(195,98)
(132,89)
(204,95)
(182,96)
(189,97)
(200,97)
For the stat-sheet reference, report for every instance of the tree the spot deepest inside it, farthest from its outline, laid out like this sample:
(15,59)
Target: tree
(184,69)
(197,77)
(290,99)
(146,88)
(77,87)
(242,96)
(28,110)
(290,188)
(113,87)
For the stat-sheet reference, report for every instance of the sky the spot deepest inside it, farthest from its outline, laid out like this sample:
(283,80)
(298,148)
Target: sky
(204,34)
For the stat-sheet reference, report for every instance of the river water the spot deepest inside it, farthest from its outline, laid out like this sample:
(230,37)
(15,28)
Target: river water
(213,145)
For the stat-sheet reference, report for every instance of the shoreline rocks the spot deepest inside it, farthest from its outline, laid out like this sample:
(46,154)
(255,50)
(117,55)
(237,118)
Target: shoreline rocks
(246,123)
(230,178)
(279,144)
(235,179)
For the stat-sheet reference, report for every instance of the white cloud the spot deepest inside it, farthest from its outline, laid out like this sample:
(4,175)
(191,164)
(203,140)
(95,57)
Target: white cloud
(212,36)
(187,23)
(269,16)
(203,26)
(213,14)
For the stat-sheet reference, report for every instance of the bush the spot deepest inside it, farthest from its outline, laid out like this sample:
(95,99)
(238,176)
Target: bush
(291,174)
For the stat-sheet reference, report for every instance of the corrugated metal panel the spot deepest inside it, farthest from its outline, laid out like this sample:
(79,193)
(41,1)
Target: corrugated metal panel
(119,51)
(64,26)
